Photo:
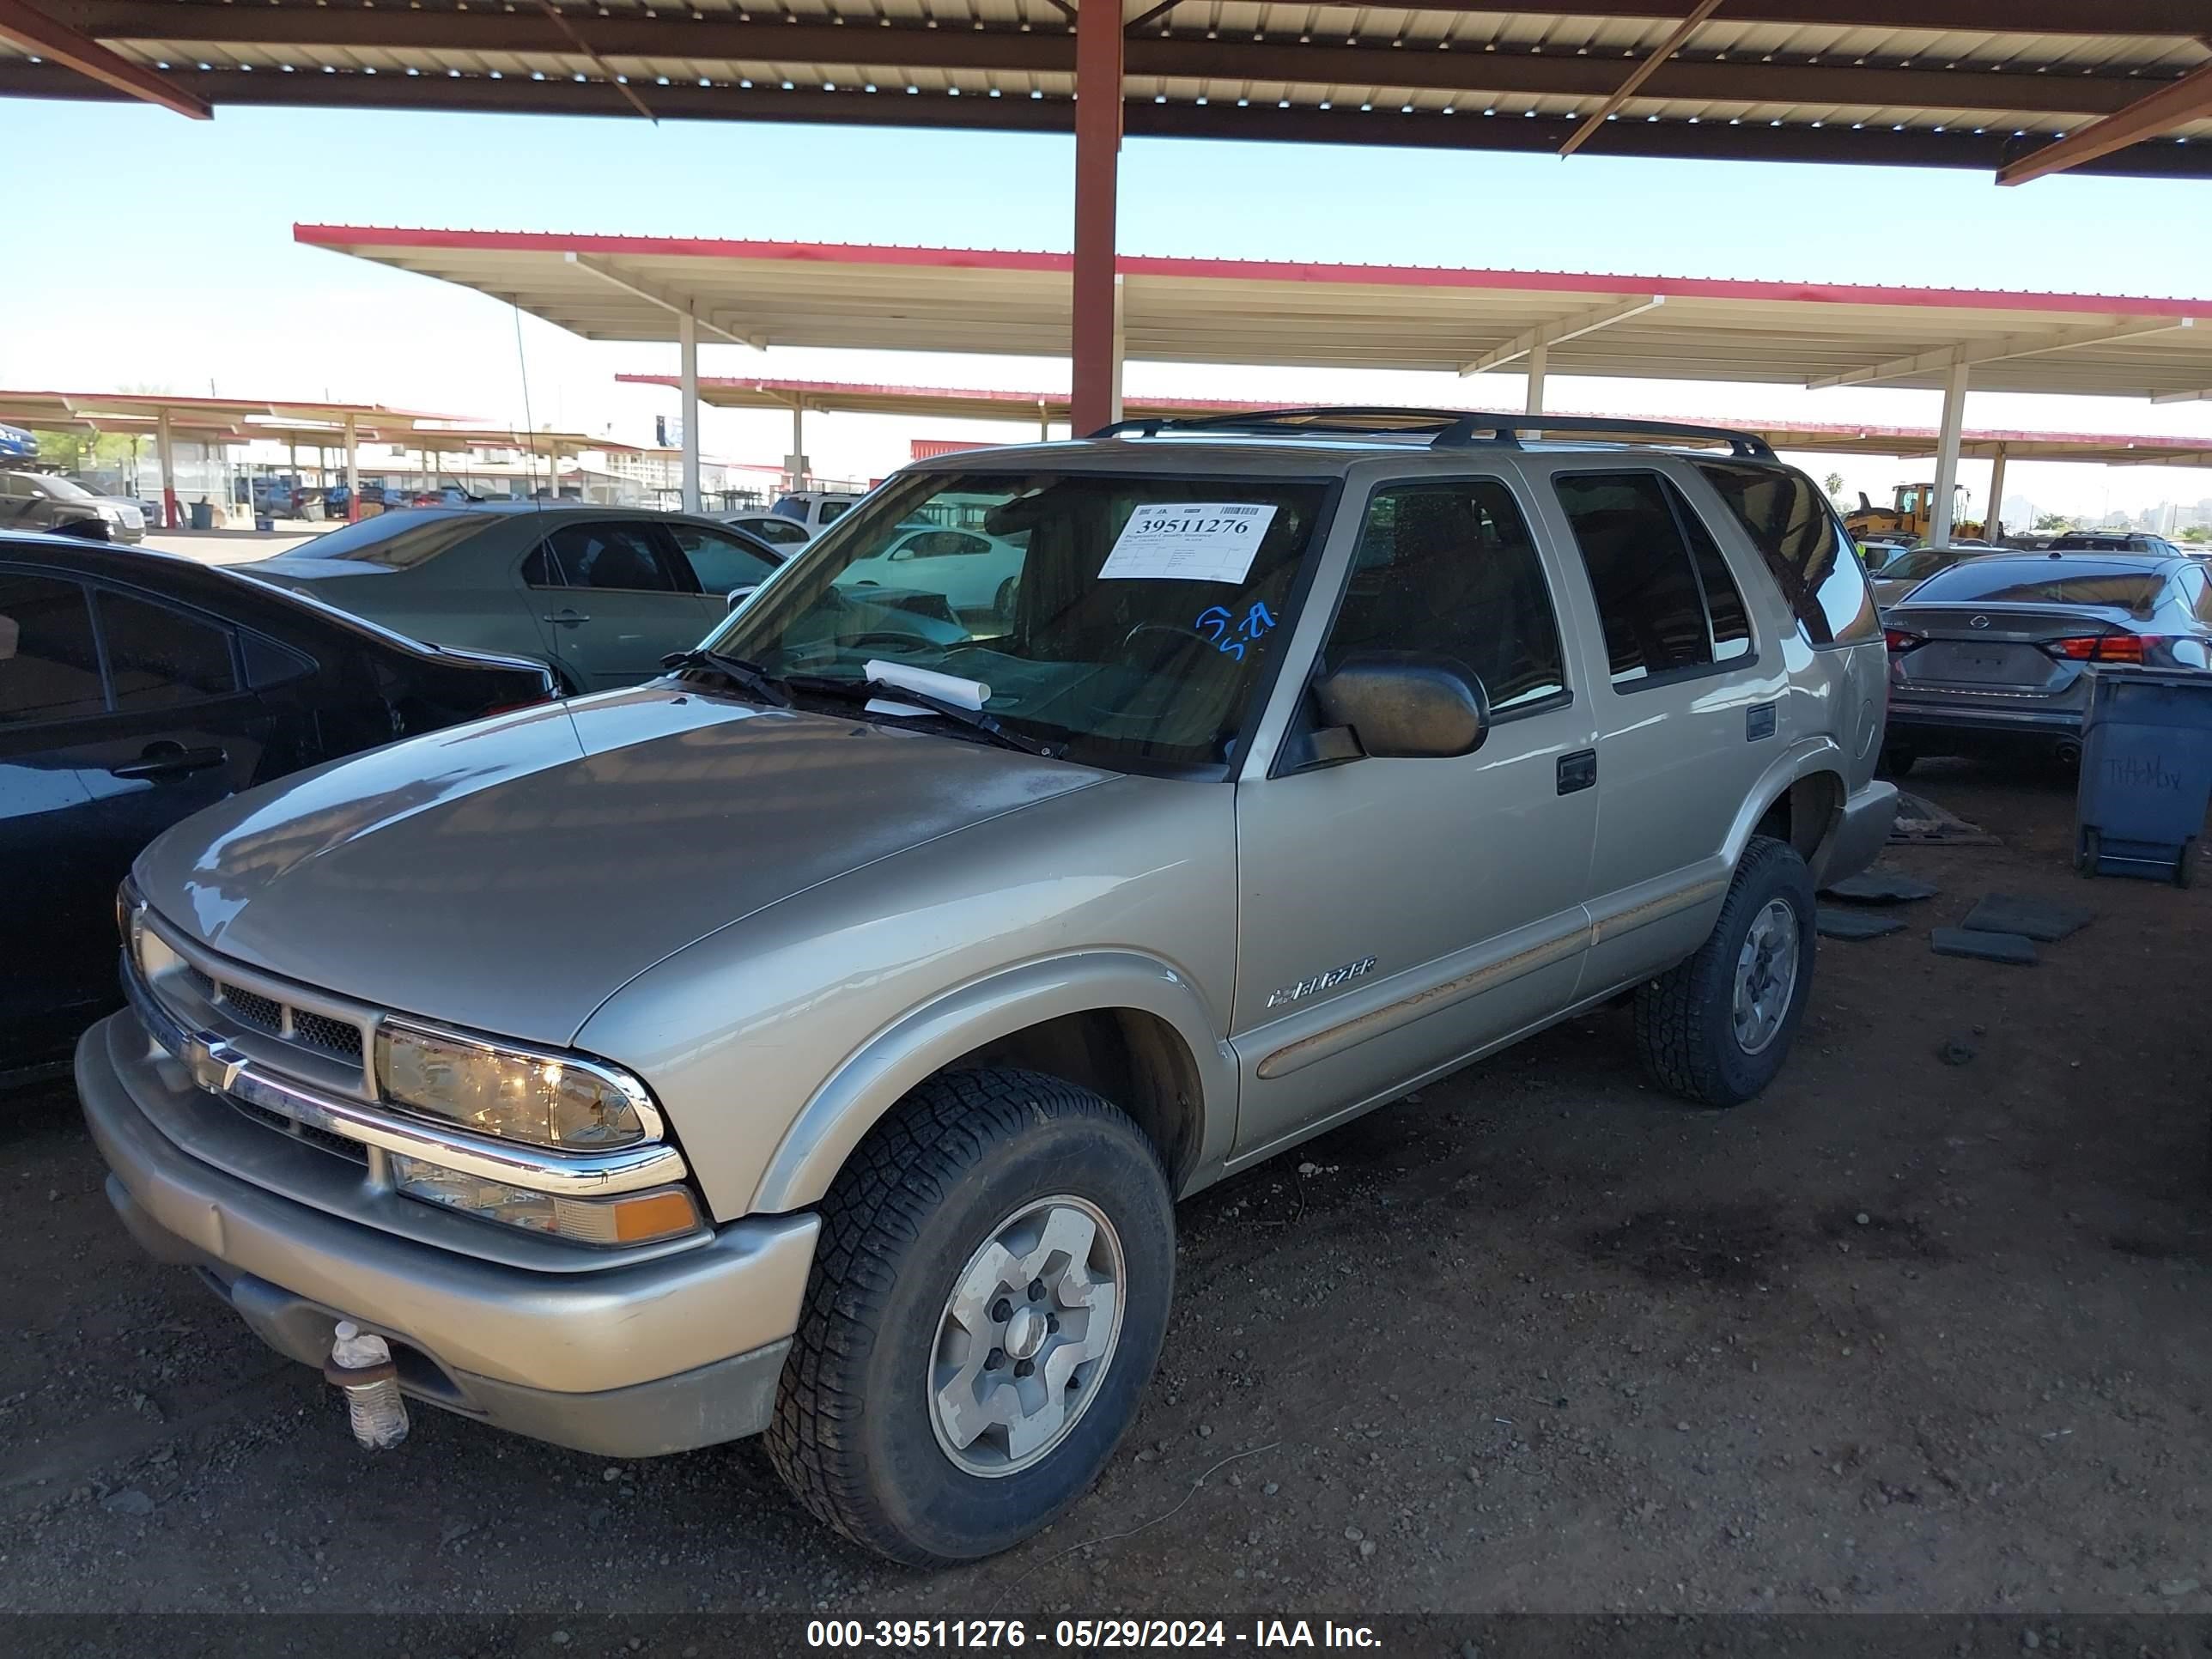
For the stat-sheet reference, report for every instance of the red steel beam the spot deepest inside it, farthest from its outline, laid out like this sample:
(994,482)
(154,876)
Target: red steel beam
(1097,380)
(1643,72)
(2151,116)
(39,34)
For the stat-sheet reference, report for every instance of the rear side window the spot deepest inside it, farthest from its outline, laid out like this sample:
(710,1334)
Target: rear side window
(833,511)
(49,666)
(1450,569)
(159,658)
(1664,594)
(1790,522)
(607,555)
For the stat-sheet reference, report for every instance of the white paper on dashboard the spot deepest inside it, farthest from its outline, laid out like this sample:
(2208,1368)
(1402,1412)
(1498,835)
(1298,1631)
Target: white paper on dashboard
(970,694)
(1188,541)
(885,705)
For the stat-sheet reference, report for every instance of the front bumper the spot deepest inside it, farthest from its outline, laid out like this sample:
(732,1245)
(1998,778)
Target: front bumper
(1861,831)
(629,1361)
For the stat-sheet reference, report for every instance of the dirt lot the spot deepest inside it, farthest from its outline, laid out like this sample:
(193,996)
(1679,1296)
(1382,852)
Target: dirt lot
(1902,1334)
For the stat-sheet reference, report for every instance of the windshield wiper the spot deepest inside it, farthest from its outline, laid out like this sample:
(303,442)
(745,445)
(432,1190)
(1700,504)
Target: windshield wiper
(748,676)
(974,719)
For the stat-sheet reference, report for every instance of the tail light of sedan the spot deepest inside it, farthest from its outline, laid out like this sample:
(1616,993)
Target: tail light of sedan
(1900,641)
(2102,648)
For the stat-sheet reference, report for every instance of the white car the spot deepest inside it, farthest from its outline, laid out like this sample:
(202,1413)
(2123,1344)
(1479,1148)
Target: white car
(816,509)
(976,574)
(773,528)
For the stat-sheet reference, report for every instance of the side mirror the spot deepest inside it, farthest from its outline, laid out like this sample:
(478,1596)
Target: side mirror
(1406,705)
(737,596)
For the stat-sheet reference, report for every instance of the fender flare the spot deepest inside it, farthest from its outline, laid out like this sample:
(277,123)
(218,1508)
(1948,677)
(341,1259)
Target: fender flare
(1801,760)
(880,1073)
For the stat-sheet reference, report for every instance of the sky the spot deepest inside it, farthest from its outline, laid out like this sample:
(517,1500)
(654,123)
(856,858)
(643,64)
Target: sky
(156,252)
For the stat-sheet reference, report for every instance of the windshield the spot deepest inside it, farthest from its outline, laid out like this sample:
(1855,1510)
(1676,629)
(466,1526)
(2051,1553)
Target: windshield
(397,539)
(1127,618)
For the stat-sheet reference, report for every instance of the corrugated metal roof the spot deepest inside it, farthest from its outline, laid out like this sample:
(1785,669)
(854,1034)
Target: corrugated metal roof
(1253,312)
(1813,437)
(1808,79)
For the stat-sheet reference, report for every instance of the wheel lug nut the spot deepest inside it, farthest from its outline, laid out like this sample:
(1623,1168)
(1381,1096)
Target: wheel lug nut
(1052,1321)
(1002,1310)
(1023,1367)
(996,1360)
(1037,1290)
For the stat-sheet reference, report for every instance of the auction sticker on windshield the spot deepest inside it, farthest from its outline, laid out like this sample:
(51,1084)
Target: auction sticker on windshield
(1188,541)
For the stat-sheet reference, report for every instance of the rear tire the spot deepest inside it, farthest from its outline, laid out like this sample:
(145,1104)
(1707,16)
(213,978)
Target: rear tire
(1716,1029)
(1897,759)
(2185,868)
(898,1412)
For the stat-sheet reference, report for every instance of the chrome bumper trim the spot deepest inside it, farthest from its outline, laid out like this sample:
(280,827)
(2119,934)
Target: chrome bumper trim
(219,1067)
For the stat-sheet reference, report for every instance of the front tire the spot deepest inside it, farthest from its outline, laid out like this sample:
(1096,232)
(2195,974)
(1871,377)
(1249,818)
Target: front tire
(1716,1029)
(1897,759)
(987,1302)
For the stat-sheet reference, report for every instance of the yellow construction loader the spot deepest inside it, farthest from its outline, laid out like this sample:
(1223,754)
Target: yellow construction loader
(1913,510)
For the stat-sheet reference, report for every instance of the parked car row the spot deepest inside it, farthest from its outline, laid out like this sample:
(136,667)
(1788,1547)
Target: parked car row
(812,1040)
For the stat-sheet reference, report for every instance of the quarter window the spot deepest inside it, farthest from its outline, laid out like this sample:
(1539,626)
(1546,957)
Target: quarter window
(1450,569)
(158,657)
(49,666)
(1665,598)
(1789,521)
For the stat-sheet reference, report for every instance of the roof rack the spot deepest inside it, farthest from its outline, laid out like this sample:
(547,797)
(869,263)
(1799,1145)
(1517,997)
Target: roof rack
(1445,428)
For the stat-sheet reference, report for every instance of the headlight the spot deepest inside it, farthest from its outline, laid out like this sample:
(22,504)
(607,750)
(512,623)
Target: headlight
(547,1099)
(633,1219)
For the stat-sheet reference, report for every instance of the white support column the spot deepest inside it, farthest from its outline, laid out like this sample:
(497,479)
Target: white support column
(795,463)
(167,452)
(1946,454)
(1539,361)
(1993,514)
(686,339)
(353,471)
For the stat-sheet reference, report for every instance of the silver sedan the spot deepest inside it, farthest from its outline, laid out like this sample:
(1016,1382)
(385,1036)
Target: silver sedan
(1999,650)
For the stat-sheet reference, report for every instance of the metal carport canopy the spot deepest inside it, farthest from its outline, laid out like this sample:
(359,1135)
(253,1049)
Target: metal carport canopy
(1805,437)
(1316,315)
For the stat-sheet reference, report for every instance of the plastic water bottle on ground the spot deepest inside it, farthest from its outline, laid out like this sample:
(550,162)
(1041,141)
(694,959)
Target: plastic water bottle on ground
(361,1366)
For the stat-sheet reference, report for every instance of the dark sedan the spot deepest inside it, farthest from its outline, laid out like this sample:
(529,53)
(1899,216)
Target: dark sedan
(135,688)
(1997,651)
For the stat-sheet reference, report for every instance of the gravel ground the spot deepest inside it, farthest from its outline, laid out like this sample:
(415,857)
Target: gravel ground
(1922,1329)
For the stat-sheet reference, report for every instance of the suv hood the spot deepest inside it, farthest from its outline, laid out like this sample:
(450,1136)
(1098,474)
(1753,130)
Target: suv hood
(512,874)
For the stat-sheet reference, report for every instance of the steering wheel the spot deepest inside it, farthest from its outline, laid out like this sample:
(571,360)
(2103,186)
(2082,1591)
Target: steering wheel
(904,645)
(1177,636)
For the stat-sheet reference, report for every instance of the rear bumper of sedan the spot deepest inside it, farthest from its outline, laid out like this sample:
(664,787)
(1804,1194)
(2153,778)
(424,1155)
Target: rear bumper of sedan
(1984,719)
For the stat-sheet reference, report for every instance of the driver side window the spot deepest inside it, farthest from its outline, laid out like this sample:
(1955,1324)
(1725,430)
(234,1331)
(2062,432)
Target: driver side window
(1449,570)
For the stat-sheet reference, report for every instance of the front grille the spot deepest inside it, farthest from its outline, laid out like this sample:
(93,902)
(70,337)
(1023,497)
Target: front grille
(332,1036)
(352,1150)
(201,982)
(247,1008)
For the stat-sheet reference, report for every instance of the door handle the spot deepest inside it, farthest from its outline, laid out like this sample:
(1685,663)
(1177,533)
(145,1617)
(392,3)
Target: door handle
(568,619)
(1578,770)
(166,759)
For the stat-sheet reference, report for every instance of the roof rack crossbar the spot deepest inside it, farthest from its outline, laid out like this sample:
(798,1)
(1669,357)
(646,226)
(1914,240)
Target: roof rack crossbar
(1446,428)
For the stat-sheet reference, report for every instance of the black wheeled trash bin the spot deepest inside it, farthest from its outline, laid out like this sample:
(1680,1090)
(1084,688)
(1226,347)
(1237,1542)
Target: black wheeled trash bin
(2146,774)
